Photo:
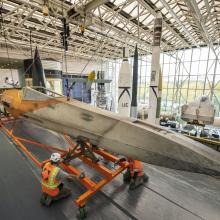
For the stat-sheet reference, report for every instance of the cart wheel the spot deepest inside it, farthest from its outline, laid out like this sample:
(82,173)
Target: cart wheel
(82,212)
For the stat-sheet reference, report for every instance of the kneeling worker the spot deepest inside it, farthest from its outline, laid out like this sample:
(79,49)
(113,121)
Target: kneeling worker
(134,174)
(52,181)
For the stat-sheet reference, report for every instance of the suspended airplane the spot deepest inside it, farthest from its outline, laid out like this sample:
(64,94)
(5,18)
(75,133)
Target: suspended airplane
(127,136)
(132,138)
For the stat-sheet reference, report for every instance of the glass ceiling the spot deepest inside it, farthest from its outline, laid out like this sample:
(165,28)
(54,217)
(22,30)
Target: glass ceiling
(112,24)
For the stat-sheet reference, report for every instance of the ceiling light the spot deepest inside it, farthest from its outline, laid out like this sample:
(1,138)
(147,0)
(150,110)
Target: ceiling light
(45,8)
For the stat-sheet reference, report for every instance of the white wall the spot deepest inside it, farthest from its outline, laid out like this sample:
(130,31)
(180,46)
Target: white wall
(74,64)
(77,66)
(7,73)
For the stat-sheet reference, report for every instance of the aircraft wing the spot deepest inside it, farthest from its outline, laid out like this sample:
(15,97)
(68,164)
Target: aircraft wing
(132,138)
(85,80)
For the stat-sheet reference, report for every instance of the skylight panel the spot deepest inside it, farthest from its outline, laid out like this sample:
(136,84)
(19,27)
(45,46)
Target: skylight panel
(182,18)
(120,25)
(130,7)
(169,16)
(176,9)
(143,17)
(115,21)
(134,13)
(148,20)
(201,4)
(159,5)
(164,10)
(154,1)
(119,2)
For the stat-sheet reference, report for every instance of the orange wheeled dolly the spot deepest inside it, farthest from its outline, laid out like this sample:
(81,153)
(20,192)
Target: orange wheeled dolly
(83,150)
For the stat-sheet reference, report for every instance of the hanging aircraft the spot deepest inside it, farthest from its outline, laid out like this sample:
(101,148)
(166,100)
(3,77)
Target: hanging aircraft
(125,136)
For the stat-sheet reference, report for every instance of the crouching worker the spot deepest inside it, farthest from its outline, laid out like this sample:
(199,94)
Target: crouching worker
(135,174)
(52,181)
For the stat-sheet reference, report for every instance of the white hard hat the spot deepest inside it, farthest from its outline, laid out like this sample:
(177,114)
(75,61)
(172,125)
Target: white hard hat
(55,157)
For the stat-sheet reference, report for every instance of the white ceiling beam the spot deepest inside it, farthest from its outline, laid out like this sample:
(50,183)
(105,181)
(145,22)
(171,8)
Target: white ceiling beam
(165,24)
(93,5)
(179,22)
(195,9)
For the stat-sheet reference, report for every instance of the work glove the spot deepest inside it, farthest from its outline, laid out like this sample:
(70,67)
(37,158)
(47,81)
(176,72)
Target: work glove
(82,175)
(67,158)
(123,159)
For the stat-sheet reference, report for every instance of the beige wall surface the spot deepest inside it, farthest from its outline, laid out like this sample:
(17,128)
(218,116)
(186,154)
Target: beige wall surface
(10,74)
(75,65)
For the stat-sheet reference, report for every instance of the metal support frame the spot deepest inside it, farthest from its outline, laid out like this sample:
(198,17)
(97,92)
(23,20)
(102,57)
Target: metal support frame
(181,78)
(75,151)
(124,30)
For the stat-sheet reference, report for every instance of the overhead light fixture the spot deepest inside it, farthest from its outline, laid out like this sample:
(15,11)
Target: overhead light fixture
(45,8)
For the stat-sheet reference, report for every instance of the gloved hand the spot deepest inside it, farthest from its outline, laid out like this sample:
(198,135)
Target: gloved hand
(82,175)
(123,159)
(65,160)
(68,157)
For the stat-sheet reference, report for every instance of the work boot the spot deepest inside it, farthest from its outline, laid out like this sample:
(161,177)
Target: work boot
(136,182)
(48,201)
(127,176)
(145,178)
(43,198)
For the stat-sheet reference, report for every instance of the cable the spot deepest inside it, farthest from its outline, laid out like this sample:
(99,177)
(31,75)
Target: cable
(138,5)
(31,45)
(6,44)
(64,36)
(4,35)
(98,47)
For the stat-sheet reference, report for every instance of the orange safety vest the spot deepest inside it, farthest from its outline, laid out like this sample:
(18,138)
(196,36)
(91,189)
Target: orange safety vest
(49,183)
(136,166)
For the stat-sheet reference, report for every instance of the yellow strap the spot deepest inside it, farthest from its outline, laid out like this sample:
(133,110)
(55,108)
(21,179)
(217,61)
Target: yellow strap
(51,182)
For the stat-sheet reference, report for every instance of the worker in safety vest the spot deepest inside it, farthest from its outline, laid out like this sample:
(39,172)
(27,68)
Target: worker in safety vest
(52,181)
(135,173)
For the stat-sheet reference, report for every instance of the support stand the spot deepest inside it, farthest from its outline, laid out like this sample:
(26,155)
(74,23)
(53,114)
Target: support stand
(83,150)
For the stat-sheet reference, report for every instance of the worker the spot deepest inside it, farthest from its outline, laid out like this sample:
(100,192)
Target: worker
(52,181)
(134,174)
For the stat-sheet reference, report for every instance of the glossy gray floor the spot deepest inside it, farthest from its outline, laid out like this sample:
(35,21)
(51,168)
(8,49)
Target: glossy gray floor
(169,195)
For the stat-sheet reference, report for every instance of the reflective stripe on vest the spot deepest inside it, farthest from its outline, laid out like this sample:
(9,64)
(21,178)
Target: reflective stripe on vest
(52,183)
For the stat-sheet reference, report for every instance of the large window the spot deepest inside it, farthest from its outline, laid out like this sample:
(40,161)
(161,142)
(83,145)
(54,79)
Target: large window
(187,74)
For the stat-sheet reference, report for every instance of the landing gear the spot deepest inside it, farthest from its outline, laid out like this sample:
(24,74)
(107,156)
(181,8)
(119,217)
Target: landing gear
(82,212)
